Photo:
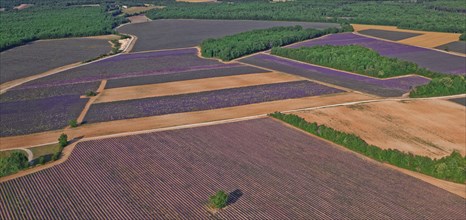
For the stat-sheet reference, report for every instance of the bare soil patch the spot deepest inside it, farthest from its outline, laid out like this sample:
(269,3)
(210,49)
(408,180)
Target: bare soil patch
(431,128)
(163,121)
(138,19)
(192,86)
(139,9)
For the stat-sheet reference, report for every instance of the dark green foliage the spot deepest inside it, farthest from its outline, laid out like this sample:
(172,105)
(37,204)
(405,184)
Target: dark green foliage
(441,86)
(418,16)
(219,200)
(73,123)
(15,162)
(63,140)
(20,27)
(234,46)
(463,36)
(91,93)
(452,167)
(351,58)
(365,61)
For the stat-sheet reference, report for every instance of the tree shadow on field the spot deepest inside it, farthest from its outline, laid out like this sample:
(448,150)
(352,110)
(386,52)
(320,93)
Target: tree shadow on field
(75,139)
(234,196)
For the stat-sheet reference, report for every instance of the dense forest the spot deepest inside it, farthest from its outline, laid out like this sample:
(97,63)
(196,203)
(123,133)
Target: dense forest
(351,58)
(234,46)
(418,16)
(452,167)
(365,61)
(19,27)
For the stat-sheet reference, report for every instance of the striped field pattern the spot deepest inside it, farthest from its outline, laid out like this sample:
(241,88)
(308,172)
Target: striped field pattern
(272,172)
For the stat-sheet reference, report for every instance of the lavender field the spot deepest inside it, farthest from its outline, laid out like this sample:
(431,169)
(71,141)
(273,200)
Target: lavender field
(132,65)
(204,100)
(381,87)
(271,171)
(430,59)
(25,117)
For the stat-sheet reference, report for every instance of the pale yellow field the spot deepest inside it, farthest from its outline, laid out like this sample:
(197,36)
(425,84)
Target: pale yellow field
(427,39)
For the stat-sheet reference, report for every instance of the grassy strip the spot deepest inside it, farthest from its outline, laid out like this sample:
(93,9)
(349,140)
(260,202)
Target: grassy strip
(365,61)
(234,46)
(451,168)
(13,161)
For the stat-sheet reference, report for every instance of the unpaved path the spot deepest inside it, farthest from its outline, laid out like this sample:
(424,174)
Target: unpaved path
(432,128)
(186,118)
(193,86)
(91,101)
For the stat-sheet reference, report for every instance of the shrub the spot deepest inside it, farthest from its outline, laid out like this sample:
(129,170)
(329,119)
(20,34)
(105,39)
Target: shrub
(91,93)
(13,163)
(63,140)
(219,200)
(73,123)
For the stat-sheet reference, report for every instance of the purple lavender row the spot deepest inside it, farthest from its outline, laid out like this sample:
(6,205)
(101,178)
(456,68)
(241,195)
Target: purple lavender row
(205,100)
(25,117)
(149,55)
(95,78)
(430,59)
(402,83)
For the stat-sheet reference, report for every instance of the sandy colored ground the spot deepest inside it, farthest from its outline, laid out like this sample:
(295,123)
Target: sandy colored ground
(196,1)
(193,86)
(90,102)
(163,121)
(139,9)
(427,39)
(455,188)
(431,128)
(138,19)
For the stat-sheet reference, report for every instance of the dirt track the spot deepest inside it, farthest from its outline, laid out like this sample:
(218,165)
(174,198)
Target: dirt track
(141,124)
(431,128)
(192,86)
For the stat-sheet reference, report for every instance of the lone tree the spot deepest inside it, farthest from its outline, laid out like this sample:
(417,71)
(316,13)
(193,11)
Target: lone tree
(219,200)
(63,140)
(73,123)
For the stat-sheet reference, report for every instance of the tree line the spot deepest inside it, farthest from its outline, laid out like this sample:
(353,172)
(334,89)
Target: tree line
(358,59)
(417,16)
(20,27)
(234,46)
(451,168)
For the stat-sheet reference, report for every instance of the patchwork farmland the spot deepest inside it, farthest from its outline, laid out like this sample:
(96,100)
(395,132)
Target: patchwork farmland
(177,110)
(263,164)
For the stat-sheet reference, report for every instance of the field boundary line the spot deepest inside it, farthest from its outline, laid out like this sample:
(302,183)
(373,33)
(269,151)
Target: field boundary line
(86,108)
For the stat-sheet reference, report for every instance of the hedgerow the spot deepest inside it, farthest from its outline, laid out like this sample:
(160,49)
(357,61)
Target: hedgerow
(452,167)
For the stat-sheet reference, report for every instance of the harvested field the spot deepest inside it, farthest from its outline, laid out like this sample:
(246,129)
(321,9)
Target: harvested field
(192,86)
(191,75)
(461,101)
(180,119)
(177,33)
(433,128)
(457,46)
(41,56)
(272,172)
(388,35)
(380,87)
(424,39)
(204,100)
(132,65)
(431,59)
(25,117)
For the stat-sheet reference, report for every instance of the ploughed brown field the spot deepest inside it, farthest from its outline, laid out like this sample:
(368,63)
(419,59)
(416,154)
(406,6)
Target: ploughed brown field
(272,171)
(431,128)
